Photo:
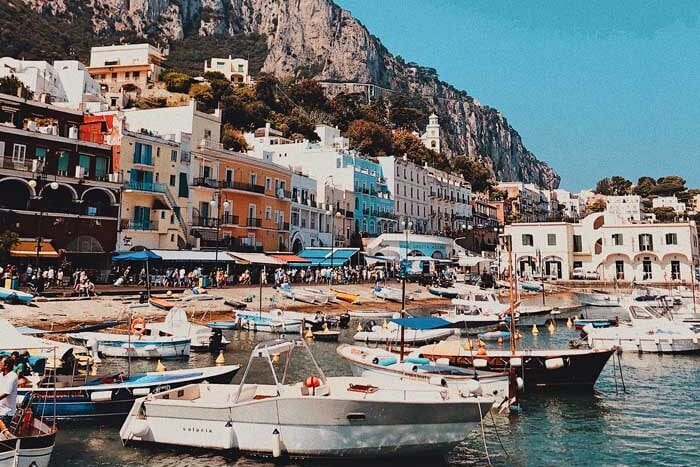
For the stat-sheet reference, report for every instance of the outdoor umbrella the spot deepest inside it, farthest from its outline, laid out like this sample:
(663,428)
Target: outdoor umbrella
(138,256)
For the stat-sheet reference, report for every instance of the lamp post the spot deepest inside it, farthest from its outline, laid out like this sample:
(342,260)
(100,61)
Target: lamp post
(406,228)
(54,187)
(332,217)
(214,203)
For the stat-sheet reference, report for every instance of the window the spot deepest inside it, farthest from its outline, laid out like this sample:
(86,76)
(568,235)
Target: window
(671,239)
(100,168)
(617,239)
(552,239)
(172,180)
(18,152)
(114,76)
(527,240)
(162,215)
(127,75)
(143,154)
(84,161)
(268,212)
(646,269)
(578,244)
(173,156)
(39,153)
(675,269)
(183,190)
(620,269)
(268,183)
(2,149)
(63,161)
(136,74)
(253,178)
(578,264)
(645,242)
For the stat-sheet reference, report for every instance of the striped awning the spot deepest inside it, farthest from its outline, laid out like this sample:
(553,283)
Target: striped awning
(27,249)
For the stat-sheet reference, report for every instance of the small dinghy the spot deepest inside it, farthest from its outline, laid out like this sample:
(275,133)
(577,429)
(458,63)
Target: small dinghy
(274,321)
(494,335)
(390,294)
(326,335)
(223,325)
(300,295)
(12,296)
(28,440)
(132,346)
(347,297)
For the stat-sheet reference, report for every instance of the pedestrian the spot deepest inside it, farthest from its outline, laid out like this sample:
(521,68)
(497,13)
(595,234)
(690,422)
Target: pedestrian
(8,390)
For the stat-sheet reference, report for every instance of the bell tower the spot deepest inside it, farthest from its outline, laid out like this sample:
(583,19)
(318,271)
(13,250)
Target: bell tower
(431,137)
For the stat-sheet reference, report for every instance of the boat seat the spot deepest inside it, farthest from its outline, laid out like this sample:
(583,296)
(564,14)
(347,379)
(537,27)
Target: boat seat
(247,393)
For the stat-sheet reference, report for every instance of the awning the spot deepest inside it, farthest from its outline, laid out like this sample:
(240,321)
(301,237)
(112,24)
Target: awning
(255,258)
(27,249)
(329,257)
(372,260)
(197,256)
(423,322)
(428,259)
(290,258)
(471,261)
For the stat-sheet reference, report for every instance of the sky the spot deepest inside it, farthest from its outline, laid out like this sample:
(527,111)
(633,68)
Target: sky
(595,88)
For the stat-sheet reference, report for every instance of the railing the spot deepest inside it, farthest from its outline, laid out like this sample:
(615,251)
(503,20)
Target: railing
(199,221)
(146,186)
(253,222)
(282,226)
(232,185)
(205,182)
(244,244)
(132,224)
(229,219)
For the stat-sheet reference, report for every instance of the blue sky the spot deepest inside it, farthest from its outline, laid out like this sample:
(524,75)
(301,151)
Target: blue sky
(595,88)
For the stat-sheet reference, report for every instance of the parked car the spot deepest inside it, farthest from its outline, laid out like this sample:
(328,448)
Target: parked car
(581,274)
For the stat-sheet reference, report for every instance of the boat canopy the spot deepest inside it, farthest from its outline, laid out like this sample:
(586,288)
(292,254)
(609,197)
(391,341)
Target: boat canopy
(423,323)
(323,256)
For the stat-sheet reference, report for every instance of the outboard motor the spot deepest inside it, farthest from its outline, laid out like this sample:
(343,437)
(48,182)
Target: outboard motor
(369,325)
(344,320)
(142,297)
(215,341)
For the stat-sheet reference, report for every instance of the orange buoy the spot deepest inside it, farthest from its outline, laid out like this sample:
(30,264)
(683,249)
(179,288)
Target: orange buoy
(481,351)
(312,382)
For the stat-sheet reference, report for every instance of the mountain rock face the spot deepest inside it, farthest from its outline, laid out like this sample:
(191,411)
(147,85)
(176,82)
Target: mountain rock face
(318,38)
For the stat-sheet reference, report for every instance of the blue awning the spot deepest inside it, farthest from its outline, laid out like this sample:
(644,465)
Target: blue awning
(326,257)
(144,255)
(422,322)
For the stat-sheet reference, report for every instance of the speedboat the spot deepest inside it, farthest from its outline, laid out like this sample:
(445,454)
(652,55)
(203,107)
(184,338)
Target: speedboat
(275,321)
(483,300)
(598,298)
(647,331)
(80,397)
(415,334)
(15,296)
(132,345)
(176,324)
(383,365)
(28,441)
(318,416)
(444,292)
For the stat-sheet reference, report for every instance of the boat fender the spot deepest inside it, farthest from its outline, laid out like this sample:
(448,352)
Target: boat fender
(384,361)
(480,363)
(474,387)
(438,381)
(417,360)
(276,443)
(101,396)
(695,340)
(516,361)
(139,427)
(520,383)
(554,363)
(140,392)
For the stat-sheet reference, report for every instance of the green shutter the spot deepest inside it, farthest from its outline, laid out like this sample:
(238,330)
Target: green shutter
(84,162)
(100,167)
(40,153)
(63,161)
(183,189)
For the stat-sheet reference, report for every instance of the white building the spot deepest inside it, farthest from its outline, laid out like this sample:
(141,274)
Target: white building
(450,201)
(431,137)
(669,202)
(625,208)
(570,202)
(306,229)
(616,250)
(235,69)
(409,183)
(38,75)
(395,246)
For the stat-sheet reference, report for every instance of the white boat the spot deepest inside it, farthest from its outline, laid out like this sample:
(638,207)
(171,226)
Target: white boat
(483,300)
(322,296)
(382,365)
(326,417)
(15,296)
(176,324)
(647,331)
(598,298)
(301,295)
(444,292)
(371,314)
(274,321)
(391,332)
(528,310)
(468,316)
(134,346)
(28,441)
(391,294)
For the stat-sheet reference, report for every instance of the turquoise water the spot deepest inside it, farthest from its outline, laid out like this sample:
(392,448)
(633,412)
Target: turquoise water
(656,421)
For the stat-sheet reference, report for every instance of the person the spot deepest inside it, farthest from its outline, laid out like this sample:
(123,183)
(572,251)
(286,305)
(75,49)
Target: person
(8,391)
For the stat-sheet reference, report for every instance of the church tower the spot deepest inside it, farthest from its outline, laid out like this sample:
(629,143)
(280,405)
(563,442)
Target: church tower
(431,137)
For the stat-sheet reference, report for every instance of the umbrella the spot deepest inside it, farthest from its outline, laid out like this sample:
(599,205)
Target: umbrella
(137,256)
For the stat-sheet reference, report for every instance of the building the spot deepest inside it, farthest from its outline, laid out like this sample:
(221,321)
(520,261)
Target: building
(235,69)
(306,229)
(82,91)
(570,204)
(396,246)
(431,137)
(56,186)
(526,202)
(409,184)
(621,250)
(627,208)
(450,201)
(669,202)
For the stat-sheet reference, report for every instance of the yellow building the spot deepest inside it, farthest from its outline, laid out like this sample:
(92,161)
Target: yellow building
(155,172)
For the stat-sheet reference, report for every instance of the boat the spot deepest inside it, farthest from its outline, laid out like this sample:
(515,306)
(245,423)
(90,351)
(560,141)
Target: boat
(236,304)
(79,397)
(161,303)
(415,334)
(300,295)
(646,332)
(132,346)
(494,335)
(371,314)
(326,335)
(322,296)
(483,300)
(580,323)
(384,365)
(444,292)
(29,331)
(317,417)
(598,298)
(530,310)
(28,441)
(570,369)
(176,324)
(223,325)
(348,297)
(275,321)
(390,293)
(530,286)
(468,316)
(12,296)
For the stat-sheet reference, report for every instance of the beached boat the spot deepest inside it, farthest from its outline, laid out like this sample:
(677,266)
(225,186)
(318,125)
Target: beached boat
(444,292)
(133,346)
(322,296)
(647,331)
(176,324)
(390,293)
(415,334)
(348,297)
(300,295)
(161,303)
(28,441)
(383,365)
(571,369)
(81,397)
(274,321)
(15,296)
(598,298)
(320,416)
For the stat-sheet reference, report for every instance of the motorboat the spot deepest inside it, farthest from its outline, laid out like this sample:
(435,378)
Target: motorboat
(647,331)
(177,324)
(274,321)
(570,369)
(79,396)
(468,316)
(347,297)
(483,300)
(598,298)
(12,296)
(383,365)
(326,335)
(28,441)
(530,310)
(444,292)
(287,291)
(318,416)
(391,294)
(131,345)
(494,335)
(580,323)
(415,333)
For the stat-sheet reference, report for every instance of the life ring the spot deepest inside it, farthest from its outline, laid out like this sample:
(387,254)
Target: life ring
(138,326)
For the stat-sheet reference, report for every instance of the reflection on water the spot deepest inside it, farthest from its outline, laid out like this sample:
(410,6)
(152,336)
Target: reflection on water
(657,419)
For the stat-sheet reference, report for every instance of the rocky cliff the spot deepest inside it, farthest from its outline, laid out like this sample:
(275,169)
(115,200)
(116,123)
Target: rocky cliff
(318,38)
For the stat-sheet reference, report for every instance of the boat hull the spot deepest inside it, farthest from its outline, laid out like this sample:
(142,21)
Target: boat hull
(410,336)
(137,348)
(650,344)
(254,322)
(11,294)
(34,452)
(598,300)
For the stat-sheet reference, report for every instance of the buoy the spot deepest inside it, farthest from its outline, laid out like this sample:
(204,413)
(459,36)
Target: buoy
(309,334)
(220,360)
(535,331)
(384,324)
(160,368)
(518,335)
(276,444)
(359,327)
(569,323)
(551,328)
(169,293)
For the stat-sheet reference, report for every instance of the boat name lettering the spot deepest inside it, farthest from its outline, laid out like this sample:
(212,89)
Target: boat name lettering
(193,429)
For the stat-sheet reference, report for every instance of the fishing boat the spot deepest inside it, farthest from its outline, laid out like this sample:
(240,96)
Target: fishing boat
(12,296)
(348,297)
(176,324)
(132,345)
(161,303)
(647,331)
(317,417)
(598,298)
(389,293)
(444,292)
(383,365)
(79,397)
(300,295)
(570,369)
(275,321)
(418,331)
(28,441)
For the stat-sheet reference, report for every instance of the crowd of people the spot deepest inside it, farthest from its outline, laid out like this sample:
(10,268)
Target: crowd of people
(38,279)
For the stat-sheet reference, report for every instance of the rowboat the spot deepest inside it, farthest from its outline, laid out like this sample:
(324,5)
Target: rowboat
(15,296)
(275,321)
(391,294)
(348,297)
(444,292)
(322,296)
(28,441)
(301,295)
(161,303)
(123,345)
(326,335)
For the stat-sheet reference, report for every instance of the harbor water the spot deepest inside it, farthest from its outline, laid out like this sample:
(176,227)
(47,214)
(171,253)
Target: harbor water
(651,418)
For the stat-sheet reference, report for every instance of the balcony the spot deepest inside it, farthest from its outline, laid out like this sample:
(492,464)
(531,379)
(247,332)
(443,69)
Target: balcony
(250,187)
(146,186)
(205,182)
(229,219)
(350,214)
(132,224)
(284,226)
(245,244)
(387,215)
(208,222)
(253,222)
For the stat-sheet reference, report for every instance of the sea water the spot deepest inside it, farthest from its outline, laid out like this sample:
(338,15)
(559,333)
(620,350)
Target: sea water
(653,420)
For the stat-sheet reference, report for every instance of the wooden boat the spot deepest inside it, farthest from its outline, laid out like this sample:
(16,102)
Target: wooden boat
(123,345)
(319,416)
(28,441)
(348,297)
(15,296)
(161,303)
(326,335)
(78,397)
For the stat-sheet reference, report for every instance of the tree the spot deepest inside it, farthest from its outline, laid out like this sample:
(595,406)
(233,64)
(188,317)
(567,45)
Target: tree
(668,186)
(309,94)
(405,142)
(201,92)
(265,87)
(620,186)
(299,124)
(233,139)
(13,86)
(665,214)
(177,82)
(475,173)
(408,113)
(344,109)
(603,187)
(370,138)
(644,186)
(8,240)
(598,206)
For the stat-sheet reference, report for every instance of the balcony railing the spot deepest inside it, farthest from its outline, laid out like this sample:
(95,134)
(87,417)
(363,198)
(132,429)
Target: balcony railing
(205,182)
(253,222)
(146,186)
(199,221)
(244,244)
(132,224)
(232,185)
(282,226)
(229,219)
